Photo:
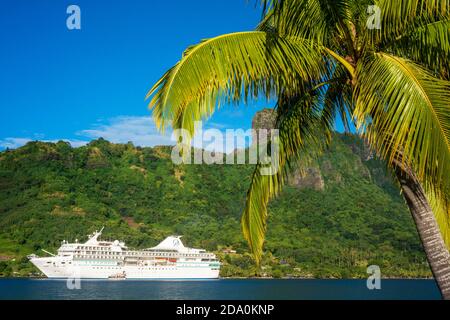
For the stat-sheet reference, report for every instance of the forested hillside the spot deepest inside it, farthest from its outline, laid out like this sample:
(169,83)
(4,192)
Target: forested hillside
(344,215)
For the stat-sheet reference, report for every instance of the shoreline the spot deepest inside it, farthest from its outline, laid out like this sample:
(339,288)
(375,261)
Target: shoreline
(226,278)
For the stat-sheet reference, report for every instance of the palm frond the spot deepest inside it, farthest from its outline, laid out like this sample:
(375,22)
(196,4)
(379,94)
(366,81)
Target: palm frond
(425,43)
(397,17)
(299,18)
(254,218)
(441,209)
(230,68)
(403,108)
(301,137)
(337,100)
(318,20)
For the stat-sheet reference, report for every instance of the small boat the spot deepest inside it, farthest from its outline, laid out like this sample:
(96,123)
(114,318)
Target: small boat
(118,276)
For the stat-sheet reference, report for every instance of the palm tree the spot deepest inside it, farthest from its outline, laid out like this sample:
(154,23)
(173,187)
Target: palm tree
(321,59)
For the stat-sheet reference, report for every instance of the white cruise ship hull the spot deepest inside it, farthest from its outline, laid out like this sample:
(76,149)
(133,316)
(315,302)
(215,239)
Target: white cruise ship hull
(60,271)
(97,259)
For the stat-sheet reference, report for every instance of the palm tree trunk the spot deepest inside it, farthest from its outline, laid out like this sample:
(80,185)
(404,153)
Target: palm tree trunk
(437,252)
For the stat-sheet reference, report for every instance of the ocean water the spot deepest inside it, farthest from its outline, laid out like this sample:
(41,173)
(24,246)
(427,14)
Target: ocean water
(224,289)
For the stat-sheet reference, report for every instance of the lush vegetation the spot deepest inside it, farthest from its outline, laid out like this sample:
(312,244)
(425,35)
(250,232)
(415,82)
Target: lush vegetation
(50,192)
(387,74)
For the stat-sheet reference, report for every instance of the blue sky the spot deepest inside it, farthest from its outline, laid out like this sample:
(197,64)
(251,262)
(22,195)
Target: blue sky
(83,84)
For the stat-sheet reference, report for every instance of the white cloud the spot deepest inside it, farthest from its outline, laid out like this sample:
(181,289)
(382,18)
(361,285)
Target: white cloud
(216,125)
(216,139)
(141,131)
(14,143)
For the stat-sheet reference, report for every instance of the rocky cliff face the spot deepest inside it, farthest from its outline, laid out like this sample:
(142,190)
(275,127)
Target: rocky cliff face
(310,177)
(347,158)
(264,119)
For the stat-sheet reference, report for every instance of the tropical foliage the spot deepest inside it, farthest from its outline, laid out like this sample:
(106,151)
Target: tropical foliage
(321,59)
(50,192)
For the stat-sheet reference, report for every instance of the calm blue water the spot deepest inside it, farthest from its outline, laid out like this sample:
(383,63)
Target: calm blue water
(219,290)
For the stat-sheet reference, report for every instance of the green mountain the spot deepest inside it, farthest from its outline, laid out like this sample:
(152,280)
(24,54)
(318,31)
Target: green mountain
(340,216)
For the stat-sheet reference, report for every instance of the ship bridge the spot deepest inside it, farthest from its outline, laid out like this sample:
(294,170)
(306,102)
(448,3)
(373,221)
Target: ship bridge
(174,243)
(94,242)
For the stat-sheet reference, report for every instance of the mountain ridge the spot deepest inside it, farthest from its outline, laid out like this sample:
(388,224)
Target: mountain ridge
(51,191)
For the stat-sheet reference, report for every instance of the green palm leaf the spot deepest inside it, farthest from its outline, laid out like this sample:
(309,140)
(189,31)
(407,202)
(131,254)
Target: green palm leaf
(398,16)
(231,67)
(441,209)
(311,19)
(398,97)
(427,43)
(302,135)
(403,108)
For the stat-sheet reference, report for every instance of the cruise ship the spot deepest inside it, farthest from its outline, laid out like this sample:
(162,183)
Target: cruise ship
(96,259)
